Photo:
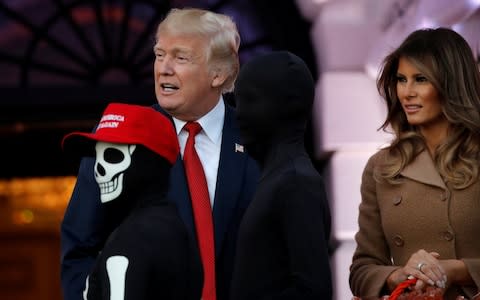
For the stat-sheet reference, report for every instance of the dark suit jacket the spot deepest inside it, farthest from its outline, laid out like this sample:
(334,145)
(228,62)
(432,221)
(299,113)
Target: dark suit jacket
(83,231)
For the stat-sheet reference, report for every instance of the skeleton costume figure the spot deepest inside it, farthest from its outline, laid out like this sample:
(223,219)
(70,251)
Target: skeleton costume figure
(150,255)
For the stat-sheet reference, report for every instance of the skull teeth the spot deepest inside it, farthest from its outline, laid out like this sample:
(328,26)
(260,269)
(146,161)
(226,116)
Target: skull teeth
(109,187)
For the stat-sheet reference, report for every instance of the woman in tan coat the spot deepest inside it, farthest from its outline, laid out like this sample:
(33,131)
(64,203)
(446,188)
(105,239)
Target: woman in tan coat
(420,210)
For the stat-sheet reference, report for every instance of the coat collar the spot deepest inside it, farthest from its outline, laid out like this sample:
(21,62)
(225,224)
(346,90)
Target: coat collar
(422,169)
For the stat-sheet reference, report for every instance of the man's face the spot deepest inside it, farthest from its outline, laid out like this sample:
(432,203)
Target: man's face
(183,84)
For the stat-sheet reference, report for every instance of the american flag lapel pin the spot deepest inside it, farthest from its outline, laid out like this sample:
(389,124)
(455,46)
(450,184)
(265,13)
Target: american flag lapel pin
(239,148)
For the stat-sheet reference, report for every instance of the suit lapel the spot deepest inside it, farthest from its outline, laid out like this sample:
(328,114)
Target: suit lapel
(178,193)
(229,178)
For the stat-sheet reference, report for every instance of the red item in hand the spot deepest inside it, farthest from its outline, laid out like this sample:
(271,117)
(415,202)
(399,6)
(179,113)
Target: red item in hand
(430,293)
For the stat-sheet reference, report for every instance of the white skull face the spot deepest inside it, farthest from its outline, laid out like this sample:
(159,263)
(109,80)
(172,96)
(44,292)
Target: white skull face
(111,161)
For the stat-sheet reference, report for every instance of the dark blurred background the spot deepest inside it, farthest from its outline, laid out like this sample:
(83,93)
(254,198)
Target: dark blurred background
(62,61)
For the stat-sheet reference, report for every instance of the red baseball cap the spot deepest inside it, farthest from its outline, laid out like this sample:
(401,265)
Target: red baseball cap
(128,124)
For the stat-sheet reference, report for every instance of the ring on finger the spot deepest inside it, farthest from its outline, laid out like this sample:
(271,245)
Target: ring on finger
(420,266)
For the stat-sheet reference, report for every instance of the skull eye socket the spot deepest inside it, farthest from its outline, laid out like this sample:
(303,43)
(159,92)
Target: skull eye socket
(113,156)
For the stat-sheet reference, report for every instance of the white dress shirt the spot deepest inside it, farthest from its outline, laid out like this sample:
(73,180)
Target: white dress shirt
(207,143)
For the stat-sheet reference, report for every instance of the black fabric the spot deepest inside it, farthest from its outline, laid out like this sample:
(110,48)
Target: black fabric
(163,260)
(274,96)
(282,250)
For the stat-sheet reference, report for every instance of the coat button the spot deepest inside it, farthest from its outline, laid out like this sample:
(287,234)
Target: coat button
(398,240)
(445,195)
(448,236)
(397,200)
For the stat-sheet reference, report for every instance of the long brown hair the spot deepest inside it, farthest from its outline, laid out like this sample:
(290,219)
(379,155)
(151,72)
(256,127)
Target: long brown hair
(446,60)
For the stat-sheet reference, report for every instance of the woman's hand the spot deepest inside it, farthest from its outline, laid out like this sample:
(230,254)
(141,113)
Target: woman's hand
(427,269)
(423,265)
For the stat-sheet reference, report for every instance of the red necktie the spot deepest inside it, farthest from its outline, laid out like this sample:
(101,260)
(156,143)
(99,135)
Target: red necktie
(202,210)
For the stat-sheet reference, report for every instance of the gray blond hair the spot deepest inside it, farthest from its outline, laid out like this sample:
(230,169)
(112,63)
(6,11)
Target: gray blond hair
(221,33)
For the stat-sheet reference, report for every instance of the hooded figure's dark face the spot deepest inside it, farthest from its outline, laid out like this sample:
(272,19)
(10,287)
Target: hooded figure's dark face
(274,96)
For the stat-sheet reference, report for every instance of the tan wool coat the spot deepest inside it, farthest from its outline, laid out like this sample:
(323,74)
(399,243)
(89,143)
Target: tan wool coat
(423,212)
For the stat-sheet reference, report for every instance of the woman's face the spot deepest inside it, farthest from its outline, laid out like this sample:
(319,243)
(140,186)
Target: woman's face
(419,98)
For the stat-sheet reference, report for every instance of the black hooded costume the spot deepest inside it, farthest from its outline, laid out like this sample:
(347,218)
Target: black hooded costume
(150,255)
(282,250)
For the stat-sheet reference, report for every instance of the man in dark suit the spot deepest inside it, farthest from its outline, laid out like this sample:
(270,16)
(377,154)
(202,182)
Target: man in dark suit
(282,248)
(196,62)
